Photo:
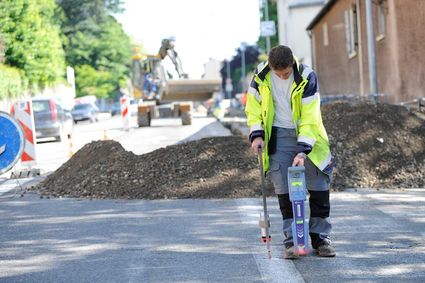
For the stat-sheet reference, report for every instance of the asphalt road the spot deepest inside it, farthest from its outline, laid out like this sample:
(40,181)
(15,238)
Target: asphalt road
(378,235)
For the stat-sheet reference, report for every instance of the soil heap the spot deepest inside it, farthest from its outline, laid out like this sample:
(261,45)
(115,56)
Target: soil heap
(375,145)
(378,146)
(219,167)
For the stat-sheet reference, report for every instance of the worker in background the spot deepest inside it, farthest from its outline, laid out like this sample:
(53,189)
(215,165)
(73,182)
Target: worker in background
(244,99)
(283,113)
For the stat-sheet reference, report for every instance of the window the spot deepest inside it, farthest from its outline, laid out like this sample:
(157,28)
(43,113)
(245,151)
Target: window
(40,106)
(381,20)
(325,35)
(350,21)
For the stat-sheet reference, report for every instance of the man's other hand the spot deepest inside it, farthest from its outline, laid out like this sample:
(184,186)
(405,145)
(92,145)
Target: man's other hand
(299,159)
(256,144)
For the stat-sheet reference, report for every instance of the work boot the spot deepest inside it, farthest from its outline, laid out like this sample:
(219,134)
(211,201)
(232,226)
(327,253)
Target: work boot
(326,250)
(289,252)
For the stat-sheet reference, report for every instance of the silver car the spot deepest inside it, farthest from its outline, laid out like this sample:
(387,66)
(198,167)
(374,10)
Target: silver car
(51,119)
(85,111)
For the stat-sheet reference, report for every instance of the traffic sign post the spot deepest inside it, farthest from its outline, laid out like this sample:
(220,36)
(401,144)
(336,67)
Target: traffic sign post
(268,28)
(12,142)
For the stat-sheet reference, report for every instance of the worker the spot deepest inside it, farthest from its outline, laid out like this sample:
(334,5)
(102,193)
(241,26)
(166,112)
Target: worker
(283,114)
(244,98)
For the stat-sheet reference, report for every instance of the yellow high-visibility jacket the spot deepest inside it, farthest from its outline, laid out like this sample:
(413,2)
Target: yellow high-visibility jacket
(306,115)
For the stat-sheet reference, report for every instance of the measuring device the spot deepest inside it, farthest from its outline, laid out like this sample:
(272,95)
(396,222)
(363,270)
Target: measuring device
(297,195)
(264,222)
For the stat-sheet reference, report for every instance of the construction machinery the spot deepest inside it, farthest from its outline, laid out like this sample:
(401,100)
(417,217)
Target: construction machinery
(160,92)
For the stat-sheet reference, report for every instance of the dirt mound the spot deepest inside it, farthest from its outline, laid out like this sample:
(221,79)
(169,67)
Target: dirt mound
(220,167)
(379,146)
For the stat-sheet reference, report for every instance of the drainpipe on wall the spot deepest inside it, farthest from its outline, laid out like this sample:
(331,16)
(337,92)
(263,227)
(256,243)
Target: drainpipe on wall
(360,48)
(312,49)
(371,52)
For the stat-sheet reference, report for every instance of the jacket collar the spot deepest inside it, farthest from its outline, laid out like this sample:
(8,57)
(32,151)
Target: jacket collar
(297,67)
(264,71)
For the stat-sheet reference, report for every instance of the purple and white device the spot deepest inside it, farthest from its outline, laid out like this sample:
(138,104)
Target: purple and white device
(297,195)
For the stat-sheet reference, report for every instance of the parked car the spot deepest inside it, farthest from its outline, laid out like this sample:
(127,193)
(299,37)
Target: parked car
(116,109)
(85,111)
(51,119)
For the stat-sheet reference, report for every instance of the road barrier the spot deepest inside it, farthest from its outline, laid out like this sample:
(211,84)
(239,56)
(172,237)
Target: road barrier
(125,111)
(22,111)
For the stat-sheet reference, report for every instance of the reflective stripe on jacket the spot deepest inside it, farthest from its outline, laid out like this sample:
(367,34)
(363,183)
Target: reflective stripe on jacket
(306,115)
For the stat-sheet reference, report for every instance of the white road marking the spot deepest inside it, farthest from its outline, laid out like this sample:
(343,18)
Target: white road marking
(277,269)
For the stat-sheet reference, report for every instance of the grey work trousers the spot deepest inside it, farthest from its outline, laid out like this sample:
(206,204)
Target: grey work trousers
(317,183)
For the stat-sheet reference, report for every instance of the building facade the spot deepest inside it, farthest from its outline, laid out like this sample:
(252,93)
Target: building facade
(340,48)
(293,19)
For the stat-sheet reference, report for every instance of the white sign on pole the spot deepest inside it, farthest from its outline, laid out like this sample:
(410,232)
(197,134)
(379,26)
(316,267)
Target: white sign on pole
(268,28)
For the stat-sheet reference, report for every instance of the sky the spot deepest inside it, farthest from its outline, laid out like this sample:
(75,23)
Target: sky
(203,29)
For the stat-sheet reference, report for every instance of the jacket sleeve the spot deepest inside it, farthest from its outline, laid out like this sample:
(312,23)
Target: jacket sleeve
(253,111)
(310,115)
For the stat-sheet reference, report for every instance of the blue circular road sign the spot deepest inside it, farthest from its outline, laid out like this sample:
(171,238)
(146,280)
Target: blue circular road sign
(12,142)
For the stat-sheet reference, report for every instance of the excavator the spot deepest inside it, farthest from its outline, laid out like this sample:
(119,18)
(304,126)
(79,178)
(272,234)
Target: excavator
(156,87)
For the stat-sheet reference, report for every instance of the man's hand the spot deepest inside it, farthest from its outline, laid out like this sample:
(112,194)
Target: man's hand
(299,159)
(256,144)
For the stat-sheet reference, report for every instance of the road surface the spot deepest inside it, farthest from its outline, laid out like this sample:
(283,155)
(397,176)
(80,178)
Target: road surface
(378,235)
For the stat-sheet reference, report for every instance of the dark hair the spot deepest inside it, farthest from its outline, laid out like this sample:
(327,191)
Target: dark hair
(280,57)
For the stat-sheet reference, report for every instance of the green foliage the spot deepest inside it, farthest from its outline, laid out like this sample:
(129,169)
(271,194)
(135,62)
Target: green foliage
(11,82)
(94,38)
(32,40)
(93,82)
(274,40)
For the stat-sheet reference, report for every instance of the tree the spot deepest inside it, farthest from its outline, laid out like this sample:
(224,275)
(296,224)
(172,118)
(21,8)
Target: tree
(94,82)
(11,82)
(251,60)
(32,40)
(94,38)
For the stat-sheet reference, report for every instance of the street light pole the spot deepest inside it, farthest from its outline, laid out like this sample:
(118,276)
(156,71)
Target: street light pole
(229,87)
(243,48)
(266,8)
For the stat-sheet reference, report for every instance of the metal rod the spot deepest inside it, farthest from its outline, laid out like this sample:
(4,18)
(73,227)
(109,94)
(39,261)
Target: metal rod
(266,214)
